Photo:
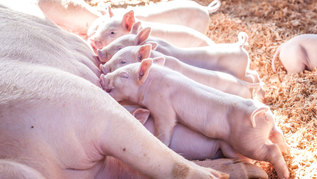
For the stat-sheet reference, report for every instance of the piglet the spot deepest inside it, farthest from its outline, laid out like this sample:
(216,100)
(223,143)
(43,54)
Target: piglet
(246,125)
(229,58)
(218,80)
(177,12)
(195,146)
(298,54)
(178,35)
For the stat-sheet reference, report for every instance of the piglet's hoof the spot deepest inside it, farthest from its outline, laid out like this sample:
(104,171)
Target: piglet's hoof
(236,169)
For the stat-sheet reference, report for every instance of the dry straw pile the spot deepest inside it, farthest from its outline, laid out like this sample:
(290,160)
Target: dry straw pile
(292,98)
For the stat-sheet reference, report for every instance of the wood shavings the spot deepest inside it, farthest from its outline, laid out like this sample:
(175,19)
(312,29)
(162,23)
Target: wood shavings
(292,98)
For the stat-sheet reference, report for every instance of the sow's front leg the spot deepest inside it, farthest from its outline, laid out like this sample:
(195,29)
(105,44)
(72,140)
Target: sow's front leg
(125,138)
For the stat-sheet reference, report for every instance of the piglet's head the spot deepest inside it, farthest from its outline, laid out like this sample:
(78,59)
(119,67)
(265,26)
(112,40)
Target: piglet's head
(104,31)
(127,55)
(127,40)
(125,83)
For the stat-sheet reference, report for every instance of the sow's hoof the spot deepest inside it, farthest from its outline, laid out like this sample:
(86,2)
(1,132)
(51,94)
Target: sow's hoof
(234,168)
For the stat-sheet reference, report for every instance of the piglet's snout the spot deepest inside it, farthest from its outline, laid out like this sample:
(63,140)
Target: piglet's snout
(95,44)
(105,69)
(102,55)
(105,83)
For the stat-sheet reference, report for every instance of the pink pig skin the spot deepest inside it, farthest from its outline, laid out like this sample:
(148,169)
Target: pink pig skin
(298,53)
(178,12)
(11,169)
(187,13)
(218,80)
(178,35)
(188,143)
(56,120)
(74,16)
(172,97)
(195,146)
(229,58)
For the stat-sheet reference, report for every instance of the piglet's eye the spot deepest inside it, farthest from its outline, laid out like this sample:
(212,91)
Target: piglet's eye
(123,62)
(140,57)
(112,32)
(124,75)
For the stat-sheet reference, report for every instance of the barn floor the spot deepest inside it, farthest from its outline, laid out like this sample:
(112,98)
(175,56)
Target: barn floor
(292,98)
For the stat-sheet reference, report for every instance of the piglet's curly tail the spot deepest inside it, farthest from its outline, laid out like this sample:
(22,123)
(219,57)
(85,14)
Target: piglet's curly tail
(242,39)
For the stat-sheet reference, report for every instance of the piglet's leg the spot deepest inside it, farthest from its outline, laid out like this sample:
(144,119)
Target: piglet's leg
(272,154)
(164,121)
(228,152)
(276,137)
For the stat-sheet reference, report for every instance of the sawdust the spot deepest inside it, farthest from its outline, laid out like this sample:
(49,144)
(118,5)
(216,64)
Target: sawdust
(292,98)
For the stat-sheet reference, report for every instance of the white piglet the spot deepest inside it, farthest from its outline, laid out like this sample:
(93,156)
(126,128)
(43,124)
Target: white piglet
(117,26)
(298,54)
(177,12)
(231,58)
(195,146)
(218,80)
(246,125)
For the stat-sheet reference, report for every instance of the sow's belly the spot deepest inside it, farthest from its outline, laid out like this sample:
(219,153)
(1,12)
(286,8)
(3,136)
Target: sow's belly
(30,39)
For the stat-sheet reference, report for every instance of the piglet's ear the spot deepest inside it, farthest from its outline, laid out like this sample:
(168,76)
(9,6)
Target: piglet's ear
(111,14)
(141,114)
(135,28)
(128,20)
(154,44)
(257,112)
(143,35)
(144,70)
(159,60)
(144,52)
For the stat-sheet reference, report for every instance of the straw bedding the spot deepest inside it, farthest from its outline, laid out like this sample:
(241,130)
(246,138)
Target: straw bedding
(292,98)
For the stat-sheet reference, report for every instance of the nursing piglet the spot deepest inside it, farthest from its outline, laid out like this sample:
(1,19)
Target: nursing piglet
(229,58)
(195,146)
(246,125)
(218,80)
(178,35)
(298,54)
(180,12)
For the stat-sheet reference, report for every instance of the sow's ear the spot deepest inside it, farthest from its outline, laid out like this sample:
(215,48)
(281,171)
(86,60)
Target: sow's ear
(256,112)
(144,70)
(159,60)
(128,20)
(141,114)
